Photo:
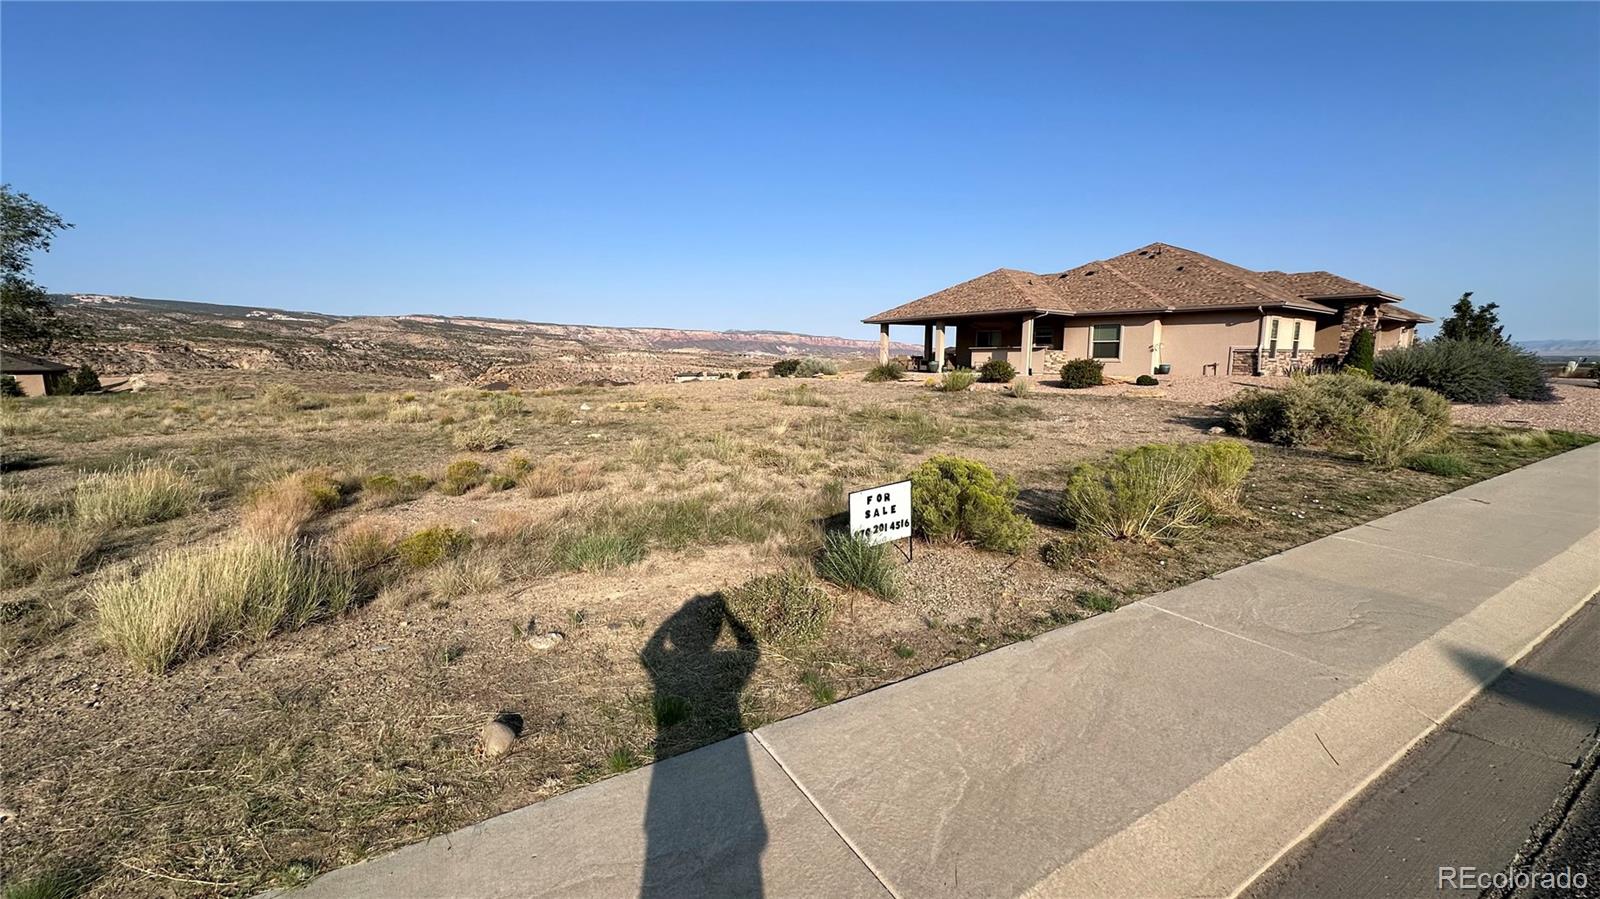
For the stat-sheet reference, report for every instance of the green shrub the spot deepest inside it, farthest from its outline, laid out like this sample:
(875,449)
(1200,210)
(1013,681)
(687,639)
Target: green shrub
(82,381)
(192,599)
(1156,491)
(803,368)
(849,561)
(141,493)
(1146,381)
(997,371)
(786,608)
(1362,345)
(430,546)
(1079,373)
(955,380)
(888,371)
(962,499)
(1444,465)
(1097,602)
(463,475)
(387,489)
(1343,412)
(10,387)
(1467,371)
(801,395)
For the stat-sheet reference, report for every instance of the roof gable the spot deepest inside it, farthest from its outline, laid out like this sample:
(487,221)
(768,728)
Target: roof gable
(18,364)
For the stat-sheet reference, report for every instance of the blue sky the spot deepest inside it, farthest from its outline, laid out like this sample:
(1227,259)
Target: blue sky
(799,166)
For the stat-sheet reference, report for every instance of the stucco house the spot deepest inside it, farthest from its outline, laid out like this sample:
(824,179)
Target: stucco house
(1159,309)
(36,377)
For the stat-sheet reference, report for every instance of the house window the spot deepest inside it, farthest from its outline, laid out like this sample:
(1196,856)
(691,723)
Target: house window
(1272,339)
(986,339)
(1296,345)
(1044,335)
(1105,342)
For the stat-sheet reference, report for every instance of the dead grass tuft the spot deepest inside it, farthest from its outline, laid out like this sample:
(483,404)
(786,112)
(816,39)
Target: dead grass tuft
(282,509)
(141,493)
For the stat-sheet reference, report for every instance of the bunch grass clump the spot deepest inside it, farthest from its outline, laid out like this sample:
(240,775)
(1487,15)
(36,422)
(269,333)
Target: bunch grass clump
(191,600)
(43,551)
(141,493)
(955,380)
(463,475)
(849,561)
(481,437)
(887,371)
(282,508)
(430,546)
(1156,491)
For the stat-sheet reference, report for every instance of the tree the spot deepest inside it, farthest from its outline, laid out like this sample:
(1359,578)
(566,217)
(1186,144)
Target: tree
(1360,355)
(10,387)
(84,380)
(28,321)
(1469,322)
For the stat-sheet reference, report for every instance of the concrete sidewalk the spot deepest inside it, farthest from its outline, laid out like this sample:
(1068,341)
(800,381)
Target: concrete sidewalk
(1176,747)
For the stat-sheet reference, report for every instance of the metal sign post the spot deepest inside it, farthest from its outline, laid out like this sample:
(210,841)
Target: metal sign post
(882,514)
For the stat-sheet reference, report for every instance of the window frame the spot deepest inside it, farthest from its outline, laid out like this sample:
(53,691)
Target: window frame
(978,338)
(1294,343)
(1272,335)
(1093,341)
(1048,332)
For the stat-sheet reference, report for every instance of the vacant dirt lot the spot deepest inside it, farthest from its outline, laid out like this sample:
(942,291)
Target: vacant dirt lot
(600,524)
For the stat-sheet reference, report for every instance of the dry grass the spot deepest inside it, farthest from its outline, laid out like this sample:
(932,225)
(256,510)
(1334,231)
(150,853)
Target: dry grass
(141,493)
(32,551)
(282,509)
(193,599)
(557,477)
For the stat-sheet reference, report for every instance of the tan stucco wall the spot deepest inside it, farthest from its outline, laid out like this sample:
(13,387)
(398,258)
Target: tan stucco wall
(1395,334)
(1138,343)
(32,385)
(1191,341)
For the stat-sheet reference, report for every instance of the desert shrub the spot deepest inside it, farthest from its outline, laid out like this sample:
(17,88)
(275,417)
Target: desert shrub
(430,546)
(141,493)
(786,608)
(387,489)
(803,368)
(192,599)
(463,475)
(361,546)
(480,437)
(955,380)
(1075,550)
(887,371)
(283,507)
(1467,371)
(409,414)
(10,387)
(283,396)
(1146,381)
(962,499)
(1444,465)
(1343,412)
(849,561)
(1021,388)
(1360,354)
(33,551)
(1155,491)
(1079,373)
(501,481)
(997,371)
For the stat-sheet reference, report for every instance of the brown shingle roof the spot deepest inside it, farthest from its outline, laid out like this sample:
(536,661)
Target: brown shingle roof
(1322,285)
(18,364)
(1153,278)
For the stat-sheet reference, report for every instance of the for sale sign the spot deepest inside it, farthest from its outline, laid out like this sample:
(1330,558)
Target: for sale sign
(881,514)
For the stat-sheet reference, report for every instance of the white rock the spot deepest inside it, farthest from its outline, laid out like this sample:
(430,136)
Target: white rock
(496,738)
(545,642)
(1216,429)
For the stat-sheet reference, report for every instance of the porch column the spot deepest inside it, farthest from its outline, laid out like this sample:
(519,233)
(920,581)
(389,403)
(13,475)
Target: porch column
(883,344)
(1027,346)
(938,346)
(927,342)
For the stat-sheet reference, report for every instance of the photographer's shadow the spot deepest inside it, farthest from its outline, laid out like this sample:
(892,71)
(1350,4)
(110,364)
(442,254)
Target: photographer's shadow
(704,833)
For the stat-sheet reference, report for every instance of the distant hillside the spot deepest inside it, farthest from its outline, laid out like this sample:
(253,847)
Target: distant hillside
(1562,348)
(134,334)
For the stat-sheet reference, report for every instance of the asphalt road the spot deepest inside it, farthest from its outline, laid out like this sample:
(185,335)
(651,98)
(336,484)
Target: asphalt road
(1508,779)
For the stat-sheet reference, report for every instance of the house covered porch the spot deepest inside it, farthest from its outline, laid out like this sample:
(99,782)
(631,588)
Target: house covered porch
(1020,338)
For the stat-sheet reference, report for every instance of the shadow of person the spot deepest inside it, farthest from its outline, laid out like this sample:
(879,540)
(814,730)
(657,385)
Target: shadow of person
(704,833)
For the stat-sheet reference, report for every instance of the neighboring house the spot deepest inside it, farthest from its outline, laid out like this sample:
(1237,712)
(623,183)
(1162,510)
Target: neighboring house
(1158,309)
(36,377)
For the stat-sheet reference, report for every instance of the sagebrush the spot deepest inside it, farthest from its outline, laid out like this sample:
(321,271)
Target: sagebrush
(962,499)
(1156,491)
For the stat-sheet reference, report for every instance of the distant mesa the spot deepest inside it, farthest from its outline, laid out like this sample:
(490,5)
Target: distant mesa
(139,334)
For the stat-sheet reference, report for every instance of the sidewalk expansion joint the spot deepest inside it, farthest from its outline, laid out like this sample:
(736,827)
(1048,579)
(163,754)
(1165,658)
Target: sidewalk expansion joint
(832,824)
